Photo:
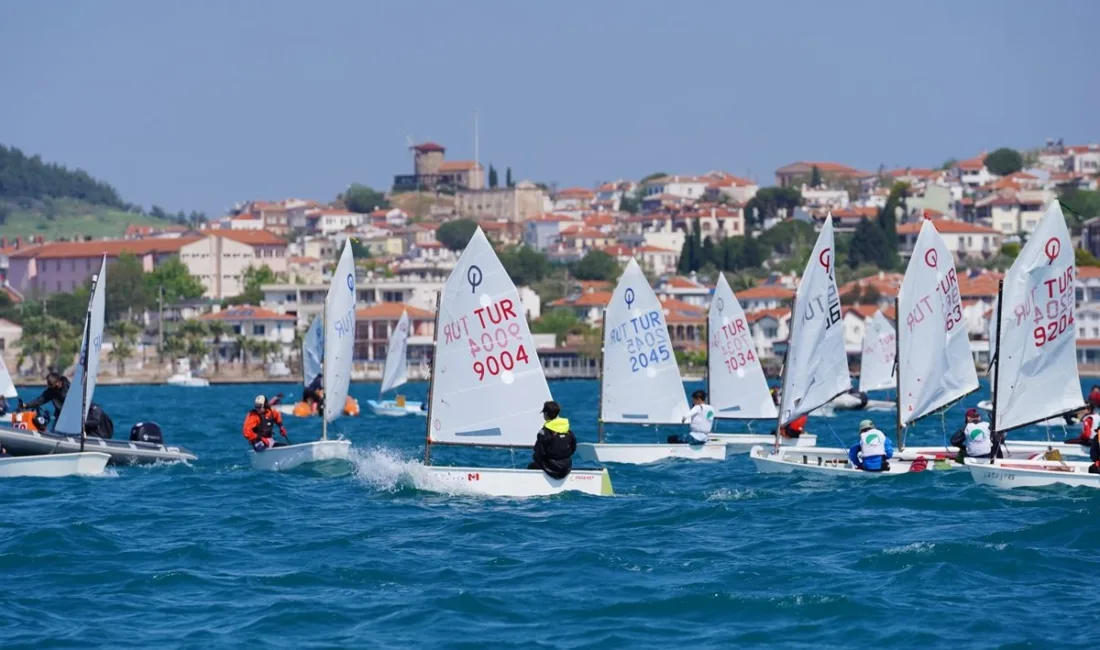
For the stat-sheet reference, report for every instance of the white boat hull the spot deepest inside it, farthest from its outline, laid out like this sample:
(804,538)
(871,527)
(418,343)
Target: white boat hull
(510,482)
(642,454)
(389,408)
(1011,473)
(187,381)
(281,459)
(88,463)
(849,402)
(741,443)
(832,461)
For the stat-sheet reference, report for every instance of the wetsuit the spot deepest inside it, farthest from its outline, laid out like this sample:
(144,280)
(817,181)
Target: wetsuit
(259,428)
(1094,455)
(312,393)
(554,449)
(98,423)
(55,396)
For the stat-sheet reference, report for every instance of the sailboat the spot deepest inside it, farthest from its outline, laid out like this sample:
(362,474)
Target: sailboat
(313,351)
(876,370)
(640,379)
(75,409)
(487,385)
(736,385)
(338,321)
(396,374)
(1035,357)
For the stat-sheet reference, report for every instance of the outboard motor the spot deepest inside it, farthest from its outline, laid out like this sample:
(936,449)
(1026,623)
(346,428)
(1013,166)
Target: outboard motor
(147,432)
(862,399)
(41,421)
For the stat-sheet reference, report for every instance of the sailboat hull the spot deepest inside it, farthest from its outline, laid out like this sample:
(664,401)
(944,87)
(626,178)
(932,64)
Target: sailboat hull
(499,482)
(833,462)
(741,443)
(390,408)
(1008,474)
(643,454)
(281,459)
(89,463)
(26,442)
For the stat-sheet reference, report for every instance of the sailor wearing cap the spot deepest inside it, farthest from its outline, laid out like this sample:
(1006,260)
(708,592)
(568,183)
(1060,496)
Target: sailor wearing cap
(973,439)
(872,450)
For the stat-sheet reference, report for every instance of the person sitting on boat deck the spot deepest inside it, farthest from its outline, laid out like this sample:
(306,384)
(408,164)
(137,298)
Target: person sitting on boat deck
(1094,455)
(98,424)
(314,394)
(57,387)
(1089,426)
(701,417)
(1094,396)
(260,423)
(974,439)
(873,449)
(555,444)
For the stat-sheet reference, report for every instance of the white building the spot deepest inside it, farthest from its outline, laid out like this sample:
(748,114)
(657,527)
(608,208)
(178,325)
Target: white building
(331,221)
(687,187)
(965,240)
(255,323)
(220,257)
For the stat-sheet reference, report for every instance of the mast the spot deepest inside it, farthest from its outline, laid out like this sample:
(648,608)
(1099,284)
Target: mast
(996,371)
(85,345)
(706,358)
(431,380)
(324,417)
(783,378)
(599,420)
(897,368)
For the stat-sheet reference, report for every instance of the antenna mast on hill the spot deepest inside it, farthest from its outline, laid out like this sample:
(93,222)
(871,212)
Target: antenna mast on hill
(477,152)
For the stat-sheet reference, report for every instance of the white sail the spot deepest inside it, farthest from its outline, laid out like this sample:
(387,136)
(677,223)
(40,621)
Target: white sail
(738,388)
(71,419)
(1037,368)
(488,387)
(7,386)
(313,350)
(641,379)
(339,334)
(876,366)
(396,372)
(936,366)
(816,369)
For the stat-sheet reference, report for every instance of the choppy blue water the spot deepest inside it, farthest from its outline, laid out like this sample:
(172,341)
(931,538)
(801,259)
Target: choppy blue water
(703,554)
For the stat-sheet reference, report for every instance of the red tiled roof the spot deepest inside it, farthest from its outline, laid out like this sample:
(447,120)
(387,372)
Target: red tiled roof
(458,166)
(392,311)
(765,293)
(591,299)
(108,247)
(678,311)
(972,164)
(868,311)
(653,249)
(428,147)
(575,193)
(835,169)
(777,314)
(1088,272)
(245,312)
(250,237)
(947,227)
(680,282)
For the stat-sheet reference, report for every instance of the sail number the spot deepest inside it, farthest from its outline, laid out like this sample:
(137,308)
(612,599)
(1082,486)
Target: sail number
(498,363)
(950,304)
(651,348)
(1057,312)
(734,341)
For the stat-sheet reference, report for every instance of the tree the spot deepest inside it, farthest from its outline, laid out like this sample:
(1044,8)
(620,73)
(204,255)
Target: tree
(631,202)
(1085,258)
(218,331)
(649,177)
(1080,205)
(252,279)
(596,265)
(561,322)
(1004,161)
(815,177)
(1011,249)
(949,164)
(123,337)
(888,222)
(363,199)
(783,239)
(158,212)
(769,201)
(508,178)
(176,278)
(691,253)
(525,265)
(27,177)
(126,287)
(492,176)
(456,234)
(868,245)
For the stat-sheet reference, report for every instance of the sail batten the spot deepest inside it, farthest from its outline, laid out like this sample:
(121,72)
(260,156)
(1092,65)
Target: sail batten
(641,378)
(738,387)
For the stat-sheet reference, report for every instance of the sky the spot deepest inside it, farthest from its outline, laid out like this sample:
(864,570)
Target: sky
(200,104)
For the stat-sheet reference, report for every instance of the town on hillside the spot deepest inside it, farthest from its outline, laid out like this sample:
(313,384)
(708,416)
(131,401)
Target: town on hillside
(231,296)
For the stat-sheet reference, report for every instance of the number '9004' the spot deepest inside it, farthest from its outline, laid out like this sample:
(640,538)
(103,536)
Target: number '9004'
(495,364)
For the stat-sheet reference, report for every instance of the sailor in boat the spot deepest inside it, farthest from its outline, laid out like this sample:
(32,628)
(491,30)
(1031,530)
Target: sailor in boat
(314,394)
(1094,396)
(701,417)
(3,405)
(974,439)
(57,387)
(873,449)
(1089,425)
(260,423)
(555,444)
(98,423)
(1094,455)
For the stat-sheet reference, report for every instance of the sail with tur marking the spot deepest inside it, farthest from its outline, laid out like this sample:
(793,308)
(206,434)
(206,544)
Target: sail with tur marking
(737,385)
(313,350)
(1037,368)
(339,334)
(641,379)
(488,387)
(72,417)
(935,363)
(876,365)
(816,370)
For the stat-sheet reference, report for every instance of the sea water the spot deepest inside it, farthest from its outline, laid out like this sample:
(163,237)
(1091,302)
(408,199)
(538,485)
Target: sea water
(686,555)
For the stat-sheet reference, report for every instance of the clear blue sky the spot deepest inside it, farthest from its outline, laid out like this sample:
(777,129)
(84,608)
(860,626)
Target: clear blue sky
(196,104)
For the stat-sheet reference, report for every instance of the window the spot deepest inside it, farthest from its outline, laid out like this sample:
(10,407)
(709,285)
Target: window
(257,330)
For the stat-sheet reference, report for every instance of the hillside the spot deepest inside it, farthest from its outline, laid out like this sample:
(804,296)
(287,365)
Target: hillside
(40,198)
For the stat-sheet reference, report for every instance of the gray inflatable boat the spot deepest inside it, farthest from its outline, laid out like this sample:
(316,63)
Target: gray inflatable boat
(24,442)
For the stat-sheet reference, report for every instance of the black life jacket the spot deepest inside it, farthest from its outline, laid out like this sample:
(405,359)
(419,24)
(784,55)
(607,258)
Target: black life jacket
(266,427)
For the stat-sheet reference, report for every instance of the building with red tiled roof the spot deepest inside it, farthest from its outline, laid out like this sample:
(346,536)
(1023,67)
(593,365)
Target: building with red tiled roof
(797,173)
(964,240)
(376,323)
(765,297)
(430,171)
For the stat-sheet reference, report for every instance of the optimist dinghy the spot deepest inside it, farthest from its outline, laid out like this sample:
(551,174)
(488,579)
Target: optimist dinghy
(930,303)
(487,385)
(313,351)
(1035,356)
(396,374)
(736,385)
(640,380)
(339,341)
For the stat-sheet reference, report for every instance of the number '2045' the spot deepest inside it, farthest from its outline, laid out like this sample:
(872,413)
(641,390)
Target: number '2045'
(655,356)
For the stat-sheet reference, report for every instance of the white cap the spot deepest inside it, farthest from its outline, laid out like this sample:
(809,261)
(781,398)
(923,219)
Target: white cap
(260,401)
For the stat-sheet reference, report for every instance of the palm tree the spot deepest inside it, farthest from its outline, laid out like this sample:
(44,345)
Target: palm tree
(124,334)
(217,330)
(194,335)
(296,360)
(265,349)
